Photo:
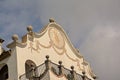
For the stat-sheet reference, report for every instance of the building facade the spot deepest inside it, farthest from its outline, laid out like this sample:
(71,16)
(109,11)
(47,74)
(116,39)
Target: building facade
(48,55)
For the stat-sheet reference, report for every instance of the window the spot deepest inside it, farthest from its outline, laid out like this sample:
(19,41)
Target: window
(3,72)
(30,69)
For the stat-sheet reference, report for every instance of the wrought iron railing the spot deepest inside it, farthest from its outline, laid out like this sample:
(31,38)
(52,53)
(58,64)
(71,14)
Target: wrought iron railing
(41,72)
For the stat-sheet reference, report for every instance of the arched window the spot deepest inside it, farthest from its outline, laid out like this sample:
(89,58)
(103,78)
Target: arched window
(3,72)
(30,69)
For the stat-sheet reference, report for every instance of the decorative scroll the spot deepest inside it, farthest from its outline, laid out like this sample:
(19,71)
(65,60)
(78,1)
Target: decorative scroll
(56,38)
(75,60)
(38,45)
(32,48)
(59,53)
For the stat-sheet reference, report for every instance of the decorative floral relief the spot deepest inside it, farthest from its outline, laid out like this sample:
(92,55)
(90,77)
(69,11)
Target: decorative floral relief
(38,45)
(32,48)
(56,37)
(75,60)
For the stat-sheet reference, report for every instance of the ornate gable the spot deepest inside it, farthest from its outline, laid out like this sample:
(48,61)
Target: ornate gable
(52,41)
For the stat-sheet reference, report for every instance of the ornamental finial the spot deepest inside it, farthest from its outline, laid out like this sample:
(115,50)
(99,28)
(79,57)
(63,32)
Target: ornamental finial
(15,37)
(60,62)
(51,20)
(47,57)
(72,67)
(30,28)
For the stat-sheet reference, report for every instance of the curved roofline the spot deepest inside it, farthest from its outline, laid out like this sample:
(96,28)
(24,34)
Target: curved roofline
(65,35)
(41,33)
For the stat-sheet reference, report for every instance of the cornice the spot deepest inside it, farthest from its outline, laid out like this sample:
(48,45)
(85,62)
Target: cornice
(17,43)
(5,54)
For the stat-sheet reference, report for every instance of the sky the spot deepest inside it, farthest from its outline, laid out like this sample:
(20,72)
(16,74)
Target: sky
(93,27)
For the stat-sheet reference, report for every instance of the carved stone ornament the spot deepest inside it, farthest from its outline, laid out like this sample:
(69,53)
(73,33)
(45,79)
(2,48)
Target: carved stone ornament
(56,38)
(51,20)
(29,28)
(15,37)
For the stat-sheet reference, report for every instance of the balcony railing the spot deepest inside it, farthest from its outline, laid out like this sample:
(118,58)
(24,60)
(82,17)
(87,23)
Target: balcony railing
(41,72)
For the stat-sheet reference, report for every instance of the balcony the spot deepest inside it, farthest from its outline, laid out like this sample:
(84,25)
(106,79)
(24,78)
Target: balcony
(45,71)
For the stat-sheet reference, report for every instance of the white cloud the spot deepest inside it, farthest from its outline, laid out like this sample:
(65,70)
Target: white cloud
(102,47)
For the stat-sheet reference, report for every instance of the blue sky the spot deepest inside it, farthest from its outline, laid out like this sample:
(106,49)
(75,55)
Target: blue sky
(93,26)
